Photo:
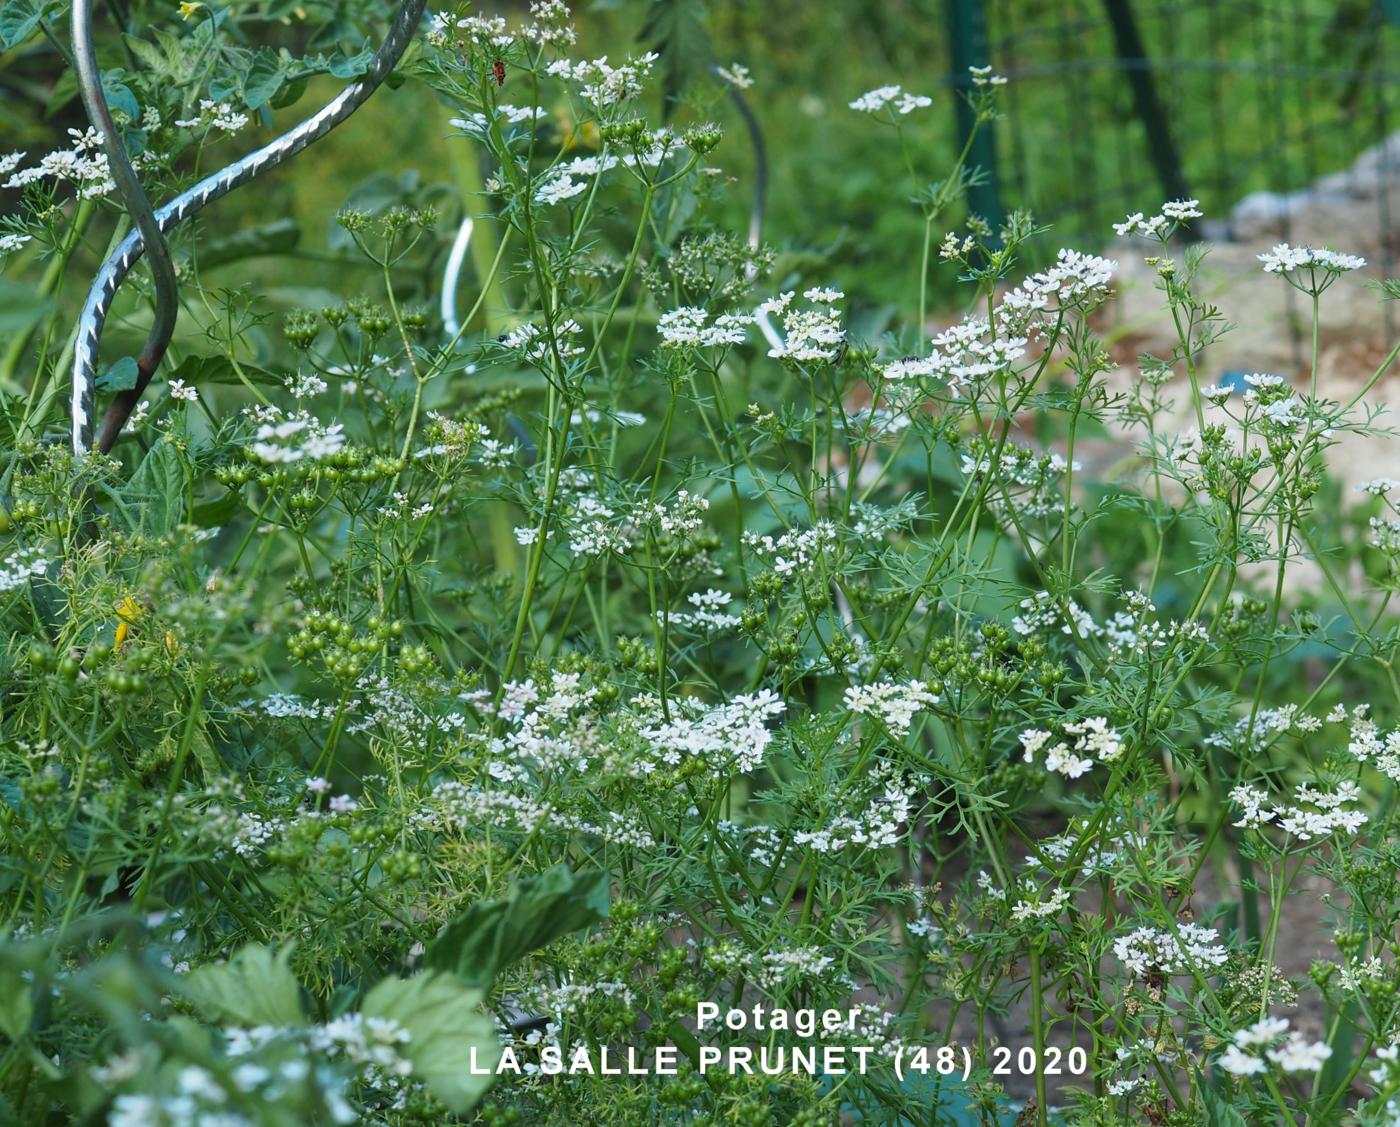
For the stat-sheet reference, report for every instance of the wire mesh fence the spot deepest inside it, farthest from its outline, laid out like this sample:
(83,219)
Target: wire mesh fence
(1258,108)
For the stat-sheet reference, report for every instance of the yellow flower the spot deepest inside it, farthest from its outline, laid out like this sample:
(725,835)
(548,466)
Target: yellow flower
(189,8)
(130,612)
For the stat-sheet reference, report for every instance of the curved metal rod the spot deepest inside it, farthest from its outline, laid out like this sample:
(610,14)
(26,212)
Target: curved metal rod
(453,271)
(128,186)
(760,193)
(117,266)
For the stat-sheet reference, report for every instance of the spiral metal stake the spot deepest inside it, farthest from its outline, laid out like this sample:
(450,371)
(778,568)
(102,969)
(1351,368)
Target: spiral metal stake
(450,275)
(764,321)
(138,206)
(130,249)
(760,194)
(457,256)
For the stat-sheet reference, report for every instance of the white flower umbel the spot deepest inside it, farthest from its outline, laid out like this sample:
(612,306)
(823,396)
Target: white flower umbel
(1162,226)
(691,327)
(1051,906)
(1089,740)
(19,567)
(1315,814)
(1255,1047)
(962,355)
(1309,269)
(215,115)
(180,390)
(1149,951)
(603,84)
(808,335)
(735,732)
(894,703)
(297,439)
(895,97)
(737,75)
(1285,259)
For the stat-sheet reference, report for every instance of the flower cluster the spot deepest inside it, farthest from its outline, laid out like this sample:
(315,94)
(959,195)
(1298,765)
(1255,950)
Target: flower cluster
(879,823)
(961,356)
(735,732)
(1163,225)
(19,567)
(1318,813)
(795,552)
(603,84)
(84,164)
(534,343)
(1285,259)
(691,327)
(215,115)
(1255,1047)
(896,704)
(1089,740)
(296,439)
(1150,952)
(809,336)
(873,101)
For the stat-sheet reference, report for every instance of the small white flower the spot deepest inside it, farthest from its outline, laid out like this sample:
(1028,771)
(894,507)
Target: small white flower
(217,115)
(736,75)
(1238,1063)
(1285,259)
(1299,1055)
(1263,1032)
(873,101)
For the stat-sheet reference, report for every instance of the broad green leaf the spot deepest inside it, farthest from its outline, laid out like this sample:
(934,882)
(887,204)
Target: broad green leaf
(16,1002)
(159,484)
(492,934)
(121,376)
(290,92)
(224,87)
(255,987)
(350,66)
(150,56)
(18,19)
(263,79)
(119,96)
(445,1024)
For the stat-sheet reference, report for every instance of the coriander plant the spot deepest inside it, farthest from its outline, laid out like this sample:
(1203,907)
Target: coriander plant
(507,722)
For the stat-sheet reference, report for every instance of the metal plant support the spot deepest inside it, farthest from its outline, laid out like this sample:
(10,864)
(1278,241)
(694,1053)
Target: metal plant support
(150,226)
(457,257)
(760,194)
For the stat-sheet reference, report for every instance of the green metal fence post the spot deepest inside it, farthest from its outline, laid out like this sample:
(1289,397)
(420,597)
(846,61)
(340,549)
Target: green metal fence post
(967,32)
(1132,57)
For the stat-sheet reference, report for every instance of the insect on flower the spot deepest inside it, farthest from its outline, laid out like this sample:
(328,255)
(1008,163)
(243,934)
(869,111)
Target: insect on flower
(498,71)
